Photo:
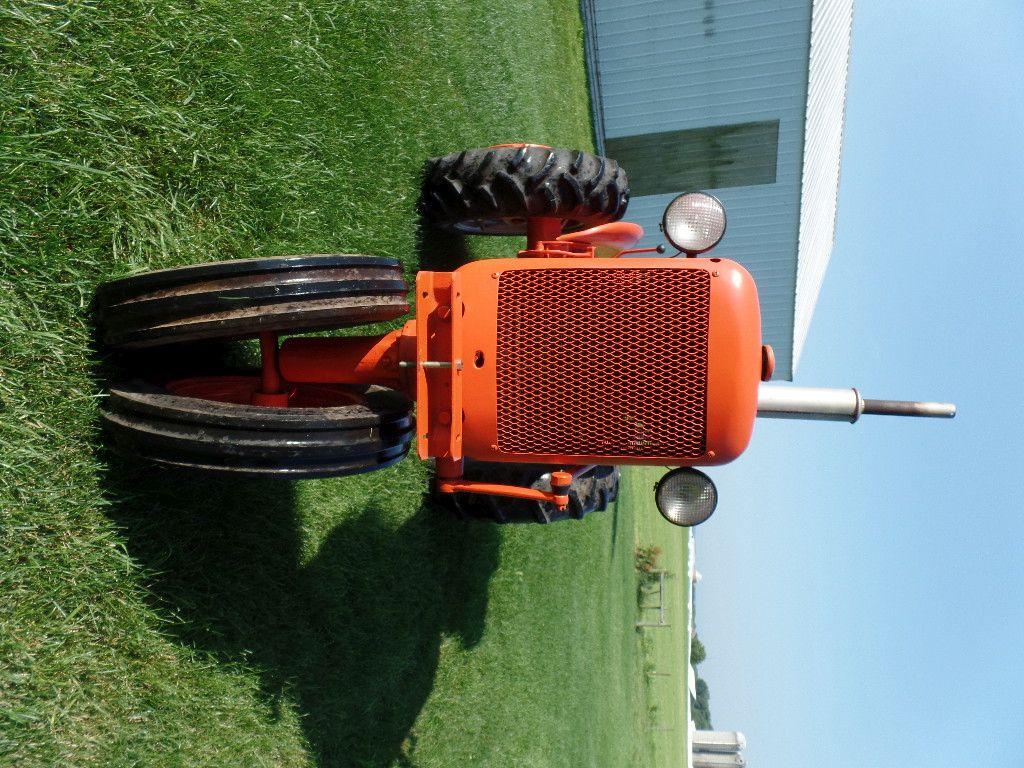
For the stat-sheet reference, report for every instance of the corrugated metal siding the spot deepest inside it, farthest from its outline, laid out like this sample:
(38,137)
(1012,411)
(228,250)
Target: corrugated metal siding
(664,65)
(831,25)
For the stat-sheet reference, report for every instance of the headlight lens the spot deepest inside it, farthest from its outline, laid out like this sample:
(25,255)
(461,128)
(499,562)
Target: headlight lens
(686,497)
(694,222)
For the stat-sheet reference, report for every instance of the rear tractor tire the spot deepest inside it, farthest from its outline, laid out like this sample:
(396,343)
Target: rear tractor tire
(493,191)
(590,492)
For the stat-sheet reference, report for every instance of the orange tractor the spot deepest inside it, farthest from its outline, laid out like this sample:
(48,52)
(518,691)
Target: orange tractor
(532,377)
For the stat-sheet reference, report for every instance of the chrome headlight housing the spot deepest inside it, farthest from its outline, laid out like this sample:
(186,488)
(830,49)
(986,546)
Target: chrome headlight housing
(694,222)
(686,497)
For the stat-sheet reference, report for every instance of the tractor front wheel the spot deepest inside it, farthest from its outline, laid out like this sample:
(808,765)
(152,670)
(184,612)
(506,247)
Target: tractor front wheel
(207,424)
(245,297)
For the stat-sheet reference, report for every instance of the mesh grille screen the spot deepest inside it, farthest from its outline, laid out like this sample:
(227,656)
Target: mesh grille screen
(603,362)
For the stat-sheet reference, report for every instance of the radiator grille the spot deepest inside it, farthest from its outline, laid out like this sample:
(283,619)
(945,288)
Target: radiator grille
(603,362)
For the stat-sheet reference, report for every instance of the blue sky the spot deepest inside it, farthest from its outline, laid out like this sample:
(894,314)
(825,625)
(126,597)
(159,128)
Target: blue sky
(863,593)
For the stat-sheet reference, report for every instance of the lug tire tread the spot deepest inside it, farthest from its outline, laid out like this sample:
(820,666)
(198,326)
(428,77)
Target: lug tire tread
(494,190)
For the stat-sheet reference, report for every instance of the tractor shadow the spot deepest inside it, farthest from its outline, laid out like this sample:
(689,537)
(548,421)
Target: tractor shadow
(350,636)
(439,250)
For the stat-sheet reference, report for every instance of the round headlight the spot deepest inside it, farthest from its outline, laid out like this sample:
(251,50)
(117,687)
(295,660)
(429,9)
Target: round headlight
(694,222)
(686,497)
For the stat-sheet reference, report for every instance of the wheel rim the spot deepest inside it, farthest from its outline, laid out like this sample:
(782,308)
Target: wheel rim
(239,390)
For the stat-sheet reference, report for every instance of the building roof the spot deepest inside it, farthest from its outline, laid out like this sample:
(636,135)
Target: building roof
(831,27)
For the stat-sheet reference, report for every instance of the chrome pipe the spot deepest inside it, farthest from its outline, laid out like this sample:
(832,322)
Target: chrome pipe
(827,404)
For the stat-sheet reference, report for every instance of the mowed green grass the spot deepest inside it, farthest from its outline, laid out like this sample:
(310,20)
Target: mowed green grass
(666,650)
(153,618)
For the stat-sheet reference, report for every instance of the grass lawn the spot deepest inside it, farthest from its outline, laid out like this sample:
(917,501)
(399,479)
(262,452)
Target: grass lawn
(150,618)
(666,650)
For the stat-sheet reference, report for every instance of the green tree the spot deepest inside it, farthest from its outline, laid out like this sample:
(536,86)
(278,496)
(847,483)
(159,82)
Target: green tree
(697,651)
(702,706)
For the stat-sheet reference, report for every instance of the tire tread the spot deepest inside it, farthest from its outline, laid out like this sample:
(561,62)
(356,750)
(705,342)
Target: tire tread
(494,190)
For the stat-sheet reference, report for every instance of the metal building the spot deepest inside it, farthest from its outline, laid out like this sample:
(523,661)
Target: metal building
(725,742)
(743,98)
(713,760)
(717,749)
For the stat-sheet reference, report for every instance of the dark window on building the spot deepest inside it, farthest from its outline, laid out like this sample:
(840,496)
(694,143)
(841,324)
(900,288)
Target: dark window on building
(739,155)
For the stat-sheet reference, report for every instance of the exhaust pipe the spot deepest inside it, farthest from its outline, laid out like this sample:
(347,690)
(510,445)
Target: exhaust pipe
(826,404)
